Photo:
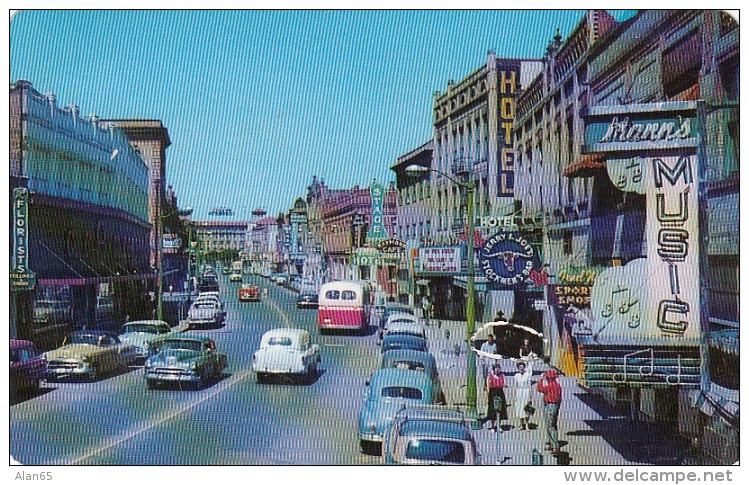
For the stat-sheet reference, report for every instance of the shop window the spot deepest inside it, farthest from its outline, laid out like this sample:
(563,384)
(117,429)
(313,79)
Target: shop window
(723,281)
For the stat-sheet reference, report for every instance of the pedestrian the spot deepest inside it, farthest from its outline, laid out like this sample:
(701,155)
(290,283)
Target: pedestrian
(526,351)
(552,391)
(488,347)
(497,408)
(426,308)
(523,395)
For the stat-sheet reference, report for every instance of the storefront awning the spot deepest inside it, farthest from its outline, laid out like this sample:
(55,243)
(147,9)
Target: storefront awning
(462,282)
(586,166)
(61,270)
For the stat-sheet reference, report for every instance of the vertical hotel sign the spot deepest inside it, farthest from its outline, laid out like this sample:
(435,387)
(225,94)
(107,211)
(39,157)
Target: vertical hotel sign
(21,277)
(652,150)
(508,73)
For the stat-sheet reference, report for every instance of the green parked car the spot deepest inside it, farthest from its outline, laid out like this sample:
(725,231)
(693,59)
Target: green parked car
(189,359)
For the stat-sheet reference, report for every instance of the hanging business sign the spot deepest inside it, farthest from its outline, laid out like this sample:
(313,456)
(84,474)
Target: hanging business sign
(507,260)
(21,277)
(371,256)
(508,73)
(442,260)
(391,246)
(171,243)
(649,309)
(377,231)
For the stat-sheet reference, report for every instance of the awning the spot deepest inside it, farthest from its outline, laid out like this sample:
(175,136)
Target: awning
(479,282)
(72,271)
(713,401)
(586,166)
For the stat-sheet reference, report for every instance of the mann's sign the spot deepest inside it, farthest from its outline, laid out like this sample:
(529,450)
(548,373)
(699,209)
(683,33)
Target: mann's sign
(652,303)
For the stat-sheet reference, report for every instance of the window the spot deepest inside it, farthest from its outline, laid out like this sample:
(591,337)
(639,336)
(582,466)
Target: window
(402,392)
(348,295)
(567,242)
(681,65)
(333,295)
(280,341)
(435,451)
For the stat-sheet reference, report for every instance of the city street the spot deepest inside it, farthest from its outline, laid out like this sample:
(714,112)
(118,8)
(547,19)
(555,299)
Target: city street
(117,420)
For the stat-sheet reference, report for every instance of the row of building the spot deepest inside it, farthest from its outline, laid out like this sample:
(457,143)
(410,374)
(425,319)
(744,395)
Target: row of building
(557,149)
(89,206)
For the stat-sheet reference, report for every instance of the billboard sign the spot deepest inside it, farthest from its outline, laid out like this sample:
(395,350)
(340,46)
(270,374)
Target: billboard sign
(508,74)
(377,231)
(443,260)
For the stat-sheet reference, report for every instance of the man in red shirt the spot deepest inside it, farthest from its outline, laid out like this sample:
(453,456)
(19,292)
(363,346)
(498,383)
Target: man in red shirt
(552,391)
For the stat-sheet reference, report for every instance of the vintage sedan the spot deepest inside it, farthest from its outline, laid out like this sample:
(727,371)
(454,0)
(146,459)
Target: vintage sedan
(190,359)
(286,351)
(391,308)
(89,354)
(205,312)
(430,436)
(27,367)
(408,327)
(142,334)
(403,341)
(248,292)
(388,391)
(417,361)
(307,299)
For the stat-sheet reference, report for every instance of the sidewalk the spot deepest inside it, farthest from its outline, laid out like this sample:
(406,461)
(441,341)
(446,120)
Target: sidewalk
(586,434)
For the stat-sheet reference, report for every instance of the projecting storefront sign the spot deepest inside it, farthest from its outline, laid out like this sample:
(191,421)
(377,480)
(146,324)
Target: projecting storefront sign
(377,231)
(507,260)
(651,303)
(391,246)
(443,260)
(21,277)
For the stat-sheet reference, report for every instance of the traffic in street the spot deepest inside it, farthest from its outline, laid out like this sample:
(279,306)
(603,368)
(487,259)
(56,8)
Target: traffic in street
(118,420)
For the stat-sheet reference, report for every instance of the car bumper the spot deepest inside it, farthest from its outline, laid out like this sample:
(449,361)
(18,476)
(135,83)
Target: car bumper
(200,323)
(171,376)
(61,373)
(306,304)
(249,298)
(276,371)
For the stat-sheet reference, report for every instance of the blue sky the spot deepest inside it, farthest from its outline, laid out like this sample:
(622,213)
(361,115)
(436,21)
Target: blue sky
(257,102)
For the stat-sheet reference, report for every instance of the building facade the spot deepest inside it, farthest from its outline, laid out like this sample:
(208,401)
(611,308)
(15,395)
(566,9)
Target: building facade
(589,224)
(220,239)
(88,221)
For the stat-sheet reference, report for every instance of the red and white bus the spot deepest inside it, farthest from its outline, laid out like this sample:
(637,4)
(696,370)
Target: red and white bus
(343,305)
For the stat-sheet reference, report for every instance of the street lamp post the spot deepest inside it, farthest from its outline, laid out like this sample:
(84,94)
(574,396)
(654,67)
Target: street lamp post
(471,410)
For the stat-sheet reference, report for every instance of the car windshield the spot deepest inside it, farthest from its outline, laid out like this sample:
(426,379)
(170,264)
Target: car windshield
(408,364)
(415,344)
(86,338)
(402,392)
(435,451)
(140,328)
(284,341)
(193,345)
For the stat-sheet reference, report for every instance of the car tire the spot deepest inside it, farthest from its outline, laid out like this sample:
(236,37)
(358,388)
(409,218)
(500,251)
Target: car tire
(311,373)
(261,378)
(370,447)
(152,384)
(93,375)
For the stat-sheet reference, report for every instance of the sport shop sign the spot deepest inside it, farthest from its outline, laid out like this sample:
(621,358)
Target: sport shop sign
(507,260)
(652,152)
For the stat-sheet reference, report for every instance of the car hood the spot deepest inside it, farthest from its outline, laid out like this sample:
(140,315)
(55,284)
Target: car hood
(74,351)
(203,312)
(174,357)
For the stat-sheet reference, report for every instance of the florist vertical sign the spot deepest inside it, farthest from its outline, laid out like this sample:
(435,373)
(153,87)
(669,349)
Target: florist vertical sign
(21,277)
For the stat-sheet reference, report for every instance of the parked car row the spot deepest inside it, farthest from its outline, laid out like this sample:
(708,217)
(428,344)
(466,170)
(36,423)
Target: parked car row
(402,416)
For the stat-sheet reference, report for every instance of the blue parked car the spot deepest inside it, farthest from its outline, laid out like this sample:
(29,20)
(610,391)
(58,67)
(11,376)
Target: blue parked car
(403,341)
(389,390)
(418,361)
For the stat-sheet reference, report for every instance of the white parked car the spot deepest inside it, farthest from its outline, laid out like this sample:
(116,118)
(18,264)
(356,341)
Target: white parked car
(286,351)
(406,326)
(142,333)
(205,313)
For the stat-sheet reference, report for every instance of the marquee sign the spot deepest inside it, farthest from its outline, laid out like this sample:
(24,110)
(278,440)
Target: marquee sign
(443,260)
(391,246)
(21,277)
(507,260)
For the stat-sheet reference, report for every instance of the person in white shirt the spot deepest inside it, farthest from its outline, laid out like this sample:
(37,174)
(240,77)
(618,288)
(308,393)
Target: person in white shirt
(489,347)
(523,394)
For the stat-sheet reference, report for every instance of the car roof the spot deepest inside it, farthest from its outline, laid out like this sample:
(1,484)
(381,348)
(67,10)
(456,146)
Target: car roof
(400,377)
(401,337)
(148,322)
(92,332)
(182,336)
(395,355)
(435,427)
(405,325)
(284,332)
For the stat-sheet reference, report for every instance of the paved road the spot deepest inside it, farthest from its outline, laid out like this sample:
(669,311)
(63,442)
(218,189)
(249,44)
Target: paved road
(119,421)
